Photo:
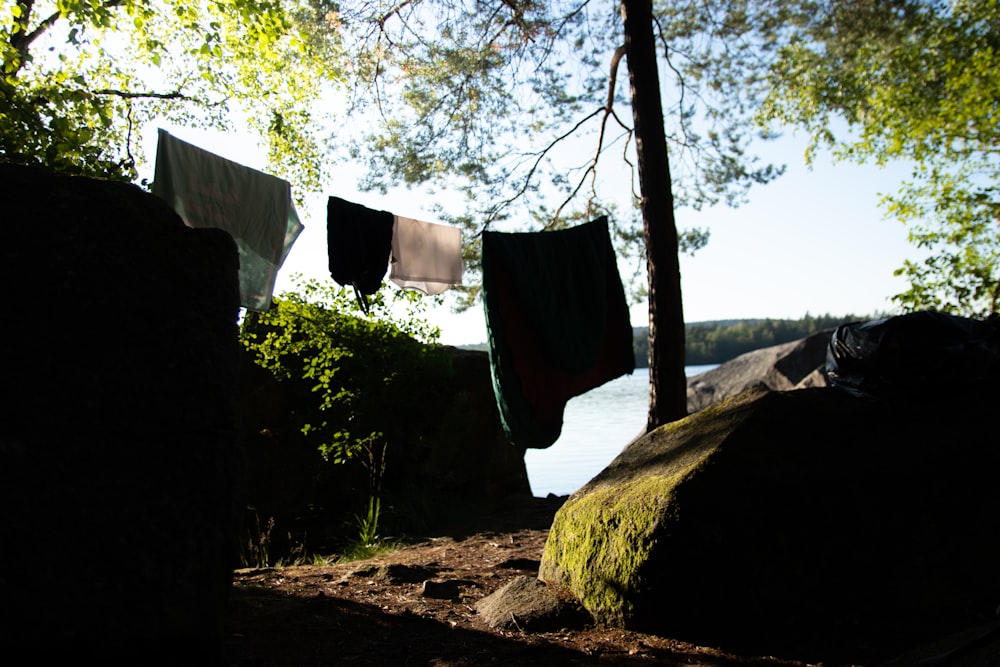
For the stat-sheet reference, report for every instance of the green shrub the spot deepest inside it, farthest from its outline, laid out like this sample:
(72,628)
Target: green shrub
(355,389)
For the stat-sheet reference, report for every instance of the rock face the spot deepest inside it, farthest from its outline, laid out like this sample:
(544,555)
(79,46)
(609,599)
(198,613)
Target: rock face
(121,473)
(793,365)
(448,455)
(807,523)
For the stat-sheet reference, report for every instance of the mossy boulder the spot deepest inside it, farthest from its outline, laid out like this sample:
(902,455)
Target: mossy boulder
(808,523)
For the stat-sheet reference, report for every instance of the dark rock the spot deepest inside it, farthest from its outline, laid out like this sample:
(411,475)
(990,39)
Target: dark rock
(973,647)
(811,524)
(449,589)
(121,473)
(529,605)
(396,573)
(447,458)
(468,458)
(529,564)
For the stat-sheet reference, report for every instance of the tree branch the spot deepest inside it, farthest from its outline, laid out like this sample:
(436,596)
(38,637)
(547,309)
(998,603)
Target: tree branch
(23,43)
(26,41)
(526,182)
(176,95)
(517,19)
(609,111)
(392,12)
(21,40)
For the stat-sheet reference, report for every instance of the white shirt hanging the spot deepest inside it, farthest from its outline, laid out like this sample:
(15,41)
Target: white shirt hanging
(426,256)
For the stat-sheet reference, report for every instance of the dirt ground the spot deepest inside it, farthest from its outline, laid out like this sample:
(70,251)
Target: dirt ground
(416,606)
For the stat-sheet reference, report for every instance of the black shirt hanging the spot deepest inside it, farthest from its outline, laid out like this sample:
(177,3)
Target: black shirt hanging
(359,243)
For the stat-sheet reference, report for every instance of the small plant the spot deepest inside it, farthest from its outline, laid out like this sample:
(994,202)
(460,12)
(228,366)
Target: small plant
(320,560)
(366,542)
(320,346)
(368,524)
(357,551)
(256,553)
(375,449)
(296,556)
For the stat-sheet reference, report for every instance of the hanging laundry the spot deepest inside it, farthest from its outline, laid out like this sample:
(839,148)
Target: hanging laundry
(207,190)
(557,324)
(359,244)
(426,256)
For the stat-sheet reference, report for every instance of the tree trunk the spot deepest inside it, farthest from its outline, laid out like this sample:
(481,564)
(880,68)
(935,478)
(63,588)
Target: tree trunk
(667,384)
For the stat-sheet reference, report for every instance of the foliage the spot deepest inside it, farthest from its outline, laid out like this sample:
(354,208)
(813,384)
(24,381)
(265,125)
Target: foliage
(82,78)
(355,385)
(358,551)
(517,105)
(718,342)
(711,344)
(915,80)
(256,552)
(318,335)
(367,523)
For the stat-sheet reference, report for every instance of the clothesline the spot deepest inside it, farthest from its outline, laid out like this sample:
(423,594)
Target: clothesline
(255,208)
(207,190)
(363,244)
(556,316)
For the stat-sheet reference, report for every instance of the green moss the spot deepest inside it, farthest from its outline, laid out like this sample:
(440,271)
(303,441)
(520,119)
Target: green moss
(599,542)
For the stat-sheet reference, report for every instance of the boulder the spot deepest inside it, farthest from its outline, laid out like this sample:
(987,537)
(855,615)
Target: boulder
(447,457)
(121,474)
(977,646)
(792,365)
(526,604)
(810,524)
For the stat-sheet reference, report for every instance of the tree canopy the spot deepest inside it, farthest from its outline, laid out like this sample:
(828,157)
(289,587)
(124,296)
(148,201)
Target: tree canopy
(520,106)
(516,104)
(913,80)
(81,78)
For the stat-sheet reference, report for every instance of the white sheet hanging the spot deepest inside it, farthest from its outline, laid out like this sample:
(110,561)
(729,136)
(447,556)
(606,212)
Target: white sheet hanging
(426,256)
(207,190)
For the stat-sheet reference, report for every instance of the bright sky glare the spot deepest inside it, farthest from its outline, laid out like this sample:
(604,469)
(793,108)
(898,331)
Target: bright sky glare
(814,241)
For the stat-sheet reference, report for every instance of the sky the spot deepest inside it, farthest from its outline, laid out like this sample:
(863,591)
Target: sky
(812,242)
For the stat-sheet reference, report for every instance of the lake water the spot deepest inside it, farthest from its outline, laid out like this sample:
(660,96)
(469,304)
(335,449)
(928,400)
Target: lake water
(596,427)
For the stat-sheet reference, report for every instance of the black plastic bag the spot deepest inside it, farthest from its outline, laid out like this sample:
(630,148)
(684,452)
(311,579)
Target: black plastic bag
(921,352)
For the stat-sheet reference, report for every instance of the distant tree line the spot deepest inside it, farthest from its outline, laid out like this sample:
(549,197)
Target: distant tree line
(719,341)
